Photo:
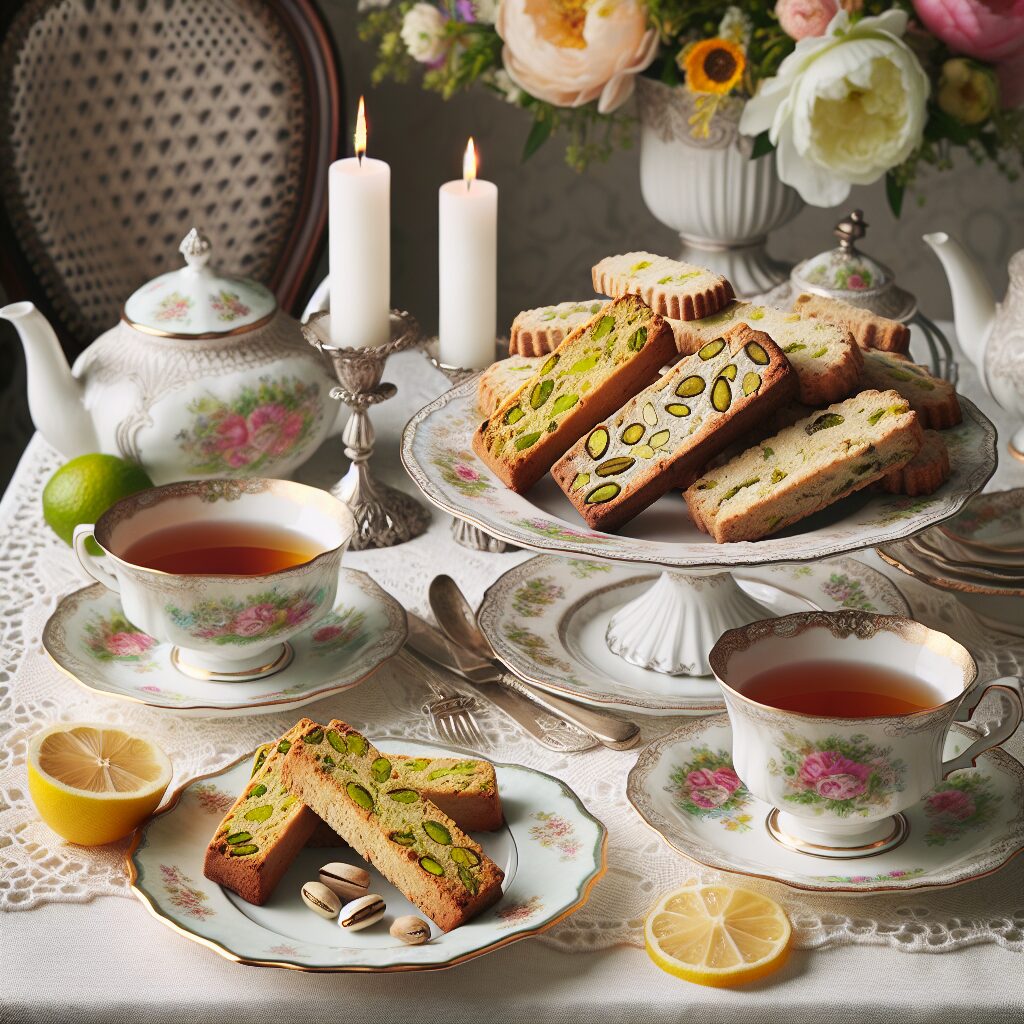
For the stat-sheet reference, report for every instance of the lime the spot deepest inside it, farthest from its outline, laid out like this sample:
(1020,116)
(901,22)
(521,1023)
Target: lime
(84,488)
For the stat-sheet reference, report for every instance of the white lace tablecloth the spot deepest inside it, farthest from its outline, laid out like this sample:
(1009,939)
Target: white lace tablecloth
(37,868)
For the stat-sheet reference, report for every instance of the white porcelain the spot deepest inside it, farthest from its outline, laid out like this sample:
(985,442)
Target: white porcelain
(991,333)
(90,638)
(202,377)
(551,849)
(838,782)
(547,620)
(967,827)
(222,626)
(722,203)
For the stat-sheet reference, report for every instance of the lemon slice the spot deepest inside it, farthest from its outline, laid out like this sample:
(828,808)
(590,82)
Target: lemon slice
(717,935)
(94,784)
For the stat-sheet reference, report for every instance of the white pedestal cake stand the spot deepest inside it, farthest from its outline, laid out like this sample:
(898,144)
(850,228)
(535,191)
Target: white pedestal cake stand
(674,624)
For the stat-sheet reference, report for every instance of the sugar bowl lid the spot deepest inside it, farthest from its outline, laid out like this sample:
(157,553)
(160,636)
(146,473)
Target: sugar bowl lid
(848,274)
(196,301)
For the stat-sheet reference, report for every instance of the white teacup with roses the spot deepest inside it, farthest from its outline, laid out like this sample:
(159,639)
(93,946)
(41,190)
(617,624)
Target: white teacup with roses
(837,784)
(228,628)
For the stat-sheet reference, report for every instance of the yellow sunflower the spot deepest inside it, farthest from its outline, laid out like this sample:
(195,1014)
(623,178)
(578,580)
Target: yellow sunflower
(713,66)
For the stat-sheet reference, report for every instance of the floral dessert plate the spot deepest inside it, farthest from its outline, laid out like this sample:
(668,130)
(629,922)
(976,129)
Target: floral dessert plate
(438,455)
(546,620)
(89,638)
(685,788)
(551,849)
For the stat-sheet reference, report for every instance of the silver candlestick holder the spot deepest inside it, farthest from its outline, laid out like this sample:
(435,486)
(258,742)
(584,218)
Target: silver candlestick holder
(384,515)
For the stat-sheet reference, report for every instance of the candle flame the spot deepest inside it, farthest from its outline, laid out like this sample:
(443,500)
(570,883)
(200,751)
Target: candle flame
(469,163)
(360,138)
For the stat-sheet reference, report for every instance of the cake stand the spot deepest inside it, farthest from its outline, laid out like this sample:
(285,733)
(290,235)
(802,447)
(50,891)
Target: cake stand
(673,625)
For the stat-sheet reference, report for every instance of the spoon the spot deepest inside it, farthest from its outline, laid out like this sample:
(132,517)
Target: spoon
(458,622)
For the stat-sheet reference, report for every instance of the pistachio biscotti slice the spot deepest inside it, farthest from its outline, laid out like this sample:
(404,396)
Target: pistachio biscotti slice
(925,473)
(419,849)
(664,436)
(868,329)
(536,332)
(614,355)
(932,398)
(806,467)
(827,361)
(680,291)
(502,379)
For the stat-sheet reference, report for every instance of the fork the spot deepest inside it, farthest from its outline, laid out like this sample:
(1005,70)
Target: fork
(450,711)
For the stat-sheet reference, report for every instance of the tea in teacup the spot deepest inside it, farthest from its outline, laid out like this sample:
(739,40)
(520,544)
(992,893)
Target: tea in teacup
(841,689)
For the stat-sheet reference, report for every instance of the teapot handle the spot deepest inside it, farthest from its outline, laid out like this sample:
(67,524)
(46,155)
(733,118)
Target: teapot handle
(89,562)
(993,732)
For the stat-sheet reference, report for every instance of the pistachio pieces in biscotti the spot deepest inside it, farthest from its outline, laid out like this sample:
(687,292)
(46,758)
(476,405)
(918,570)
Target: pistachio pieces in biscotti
(617,352)
(665,435)
(932,398)
(676,290)
(538,332)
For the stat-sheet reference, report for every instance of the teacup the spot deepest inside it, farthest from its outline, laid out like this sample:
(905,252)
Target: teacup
(223,627)
(837,785)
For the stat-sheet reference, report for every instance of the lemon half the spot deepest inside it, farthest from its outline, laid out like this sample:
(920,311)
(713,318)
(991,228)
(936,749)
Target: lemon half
(717,935)
(94,784)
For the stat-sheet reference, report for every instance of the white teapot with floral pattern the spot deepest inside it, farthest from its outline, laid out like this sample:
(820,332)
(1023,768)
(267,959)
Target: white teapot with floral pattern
(203,377)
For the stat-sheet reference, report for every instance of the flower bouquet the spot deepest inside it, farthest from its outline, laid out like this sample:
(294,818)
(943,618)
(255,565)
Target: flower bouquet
(844,91)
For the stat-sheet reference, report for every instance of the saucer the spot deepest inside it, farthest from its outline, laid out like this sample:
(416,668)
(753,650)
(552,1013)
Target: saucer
(991,522)
(551,849)
(89,638)
(970,825)
(546,619)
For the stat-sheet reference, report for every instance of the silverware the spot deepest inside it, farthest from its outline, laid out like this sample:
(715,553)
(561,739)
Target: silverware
(429,642)
(458,622)
(450,711)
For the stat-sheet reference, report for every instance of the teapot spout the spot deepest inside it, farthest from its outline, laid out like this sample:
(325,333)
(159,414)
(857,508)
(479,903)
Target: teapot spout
(55,398)
(974,308)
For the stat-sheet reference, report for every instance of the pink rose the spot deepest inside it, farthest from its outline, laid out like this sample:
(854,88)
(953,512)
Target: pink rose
(269,413)
(701,777)
(990,30)
(802,18)
(855,281)
(232,431)
(467,473)
(823,763)
(326,634)
(727,779)
(299,613)
(840,787)
(128,644)
(254,621)
(710,796)
(951,803)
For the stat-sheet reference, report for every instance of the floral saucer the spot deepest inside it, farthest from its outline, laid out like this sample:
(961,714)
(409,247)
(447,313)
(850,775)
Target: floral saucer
(89,638)
(685,788)
(546,620)
(551,849)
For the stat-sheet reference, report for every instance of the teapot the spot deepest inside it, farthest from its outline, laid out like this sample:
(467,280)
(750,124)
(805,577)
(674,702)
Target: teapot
(990,333)
(204,376)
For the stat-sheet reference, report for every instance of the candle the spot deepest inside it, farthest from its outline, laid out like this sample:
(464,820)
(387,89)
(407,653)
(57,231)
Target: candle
(360,246)
(468,278)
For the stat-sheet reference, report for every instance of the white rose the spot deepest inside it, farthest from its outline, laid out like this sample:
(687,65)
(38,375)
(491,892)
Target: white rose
(570,54)
(844,107)
(423,32)
(510,92)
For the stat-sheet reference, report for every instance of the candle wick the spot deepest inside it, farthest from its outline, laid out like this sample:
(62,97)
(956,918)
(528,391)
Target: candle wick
(469,184)
(359,157)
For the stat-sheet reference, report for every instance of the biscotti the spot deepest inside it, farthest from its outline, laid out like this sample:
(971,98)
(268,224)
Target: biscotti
(615,354)
(662,438)
(358,791)
(827,361)
(502,379)
(933,399)
(537,332)
(925,473)
(806,467)
(680,291)
(466,790)
(868,329)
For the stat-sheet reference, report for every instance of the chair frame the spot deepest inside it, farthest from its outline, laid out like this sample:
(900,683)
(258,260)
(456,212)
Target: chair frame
(291,279)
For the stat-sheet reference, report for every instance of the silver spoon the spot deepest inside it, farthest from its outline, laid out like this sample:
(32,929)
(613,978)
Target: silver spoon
(458,621)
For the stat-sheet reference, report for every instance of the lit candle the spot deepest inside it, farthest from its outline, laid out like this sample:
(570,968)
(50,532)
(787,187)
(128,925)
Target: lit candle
(360,246)
(468,260)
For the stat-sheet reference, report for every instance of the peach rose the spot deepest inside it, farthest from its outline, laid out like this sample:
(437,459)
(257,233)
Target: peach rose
(802,18)
(570,52)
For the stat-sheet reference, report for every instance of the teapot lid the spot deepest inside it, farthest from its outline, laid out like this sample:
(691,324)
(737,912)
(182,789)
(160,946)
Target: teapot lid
(196,301)
(848,274)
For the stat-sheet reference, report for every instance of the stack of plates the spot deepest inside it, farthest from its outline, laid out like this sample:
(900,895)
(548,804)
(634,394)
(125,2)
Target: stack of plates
(980,551)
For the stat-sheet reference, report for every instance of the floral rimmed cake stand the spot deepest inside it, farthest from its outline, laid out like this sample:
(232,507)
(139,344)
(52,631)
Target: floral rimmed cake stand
(971,824)
(551,849)
(672,626)
(90,640)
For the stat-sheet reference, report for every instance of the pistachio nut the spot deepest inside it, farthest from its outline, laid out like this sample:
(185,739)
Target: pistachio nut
(712,348)
(360,796)
(693,385)
(721,394)
(362,912)
(756,353)
(345,880)
(597,443)
(413,931)
(321,900)
(633,433)
(599,495)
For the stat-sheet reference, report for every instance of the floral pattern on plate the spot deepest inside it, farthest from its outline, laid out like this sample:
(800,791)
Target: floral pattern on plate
(172,308)
(114,638)
(183,894)
(228,306)
(556,831)
(229,621)
(708,787)
(961,804)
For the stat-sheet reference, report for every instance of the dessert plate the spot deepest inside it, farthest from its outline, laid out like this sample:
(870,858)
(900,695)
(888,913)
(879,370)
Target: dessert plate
(993,523)
(552,851)
(437,452)
(970,825)
(546,620)
(89,638)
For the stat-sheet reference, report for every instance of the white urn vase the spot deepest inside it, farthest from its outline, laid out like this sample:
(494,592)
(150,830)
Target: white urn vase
(723,204)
